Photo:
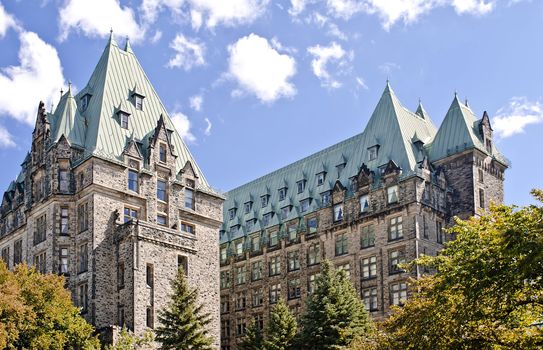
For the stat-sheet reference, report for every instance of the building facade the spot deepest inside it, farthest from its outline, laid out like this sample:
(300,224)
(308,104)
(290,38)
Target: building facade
(111,198)
(368,204)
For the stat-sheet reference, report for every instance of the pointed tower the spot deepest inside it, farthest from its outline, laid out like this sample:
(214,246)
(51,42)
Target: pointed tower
(473,167)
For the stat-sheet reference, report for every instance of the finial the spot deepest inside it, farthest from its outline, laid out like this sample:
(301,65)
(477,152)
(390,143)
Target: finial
(388,80)
(466,102)
(455,93)
(61,92)
(420,101)
(69,85)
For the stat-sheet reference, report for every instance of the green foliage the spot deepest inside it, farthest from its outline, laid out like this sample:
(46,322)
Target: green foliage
(182,322)
(488,293)
(253,339)
(128,341)
(282,328)
(36,312)
(335,315)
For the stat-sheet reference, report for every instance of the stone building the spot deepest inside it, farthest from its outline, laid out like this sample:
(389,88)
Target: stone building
(111,198)
(368,203)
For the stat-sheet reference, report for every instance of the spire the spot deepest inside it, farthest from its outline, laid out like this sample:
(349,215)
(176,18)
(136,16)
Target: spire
(127,47)
(111,40)
(421,112)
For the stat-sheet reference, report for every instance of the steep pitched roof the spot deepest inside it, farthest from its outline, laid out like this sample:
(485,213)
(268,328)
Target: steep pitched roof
(111,86)
(391,126)
(67,121)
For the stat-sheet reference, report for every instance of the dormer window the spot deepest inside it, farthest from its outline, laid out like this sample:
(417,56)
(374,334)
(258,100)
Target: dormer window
(282,193)
(373,152)
(340,168)
(320,178)
(247,207)
(285,211)
(162,152)
(489,146)
(266,218)
(138,102)
(231,213)
(123,119)
(301,186)
(304,205)
(85,102)
(264,200)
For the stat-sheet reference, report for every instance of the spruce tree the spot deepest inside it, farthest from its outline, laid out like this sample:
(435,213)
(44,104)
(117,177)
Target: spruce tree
(182,322)
(253,339)
(335,315)
(281,329)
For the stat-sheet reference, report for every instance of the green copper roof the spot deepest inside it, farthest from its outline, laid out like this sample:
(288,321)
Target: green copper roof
(111,86)
(67,121)
(391,128)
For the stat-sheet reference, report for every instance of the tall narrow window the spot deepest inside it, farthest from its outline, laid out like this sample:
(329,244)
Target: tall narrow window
(64,222)
(364,204)
(320,178)
(150,317)
(63,180)
(85,102)
(282,193)
(63,260)
(17,252)
(138,102)
(149,275)
(133,180)
(367,236)
(83,258)
(341,244)
(313,254)
(40,232)
(392,194)
(439,232)
(83,216)
(398,293)
(161,190)
(301,186)
(189,198)
(369,297)
(162,152)
(183,262)
(256,271)
(120,275)
(40,262)
(312,224)
(481,198)
(369,267)
(264,201)
(395,228)
(123,119)
(481,176)
(275,293)
(83,297)
(396,258)
(293,260)
(5,256)
(338,212)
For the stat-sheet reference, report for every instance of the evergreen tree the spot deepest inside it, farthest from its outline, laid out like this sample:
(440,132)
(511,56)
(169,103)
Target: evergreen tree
(335,315)
(129,341)
(253,339)
(182,322)
(281,328)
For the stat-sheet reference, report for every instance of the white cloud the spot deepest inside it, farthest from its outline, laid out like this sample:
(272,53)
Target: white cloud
(260,69)
(156,37)
(6,140)
(96,18)
(361,83)
(207,131)
(182,125)
(388,67)
(474,7)
(210,12)
(189,53)
(322,56)
(347,8)
(196,102)
(6,21)
(37,77)
(513,118)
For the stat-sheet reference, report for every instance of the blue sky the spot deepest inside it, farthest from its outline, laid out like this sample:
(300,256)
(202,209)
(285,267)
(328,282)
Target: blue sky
(253,85)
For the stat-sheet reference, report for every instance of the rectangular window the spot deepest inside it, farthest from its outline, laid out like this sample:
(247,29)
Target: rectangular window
(258,297)
(238,245)
(161,220)
(342,244)
(138,101)
(398,293)
(187,228)
(481,176)
(312,225)
(40,262)
(63,260)
(264,201)
(17,252)
(325,198)
(225,279)
(183,263)
(40,233)
(266,218)
(369,267)
(124,120)
(395,228)
(285,211)
(161,190)
(395,258)
(241,273)
(63,181)
(225,304)
(133,180)
(314,254)
(162,153)
(189,198)
(83,297)
(367,236)
(240,327)
(130,214)
(320,179)
(294,290)
(249,225)
(293,260)
(120,275)
(149,317)
(392,194)
(369,297)
(149,275)
(240,300)
(301,186)
(225,329)
(364,204)
(292,232)
(231,213)
(372,153)
(256,271)
(481,198)
(255,243)
(304,205)
(224,254)
(346,268)
(338,212)
(83,216)
(282,193)
(275,265)
(120,315)
(5,256)
(83,258)
(439,232)
(312,282)
(275,293)
(274,239)
(248,206)
(64,222)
